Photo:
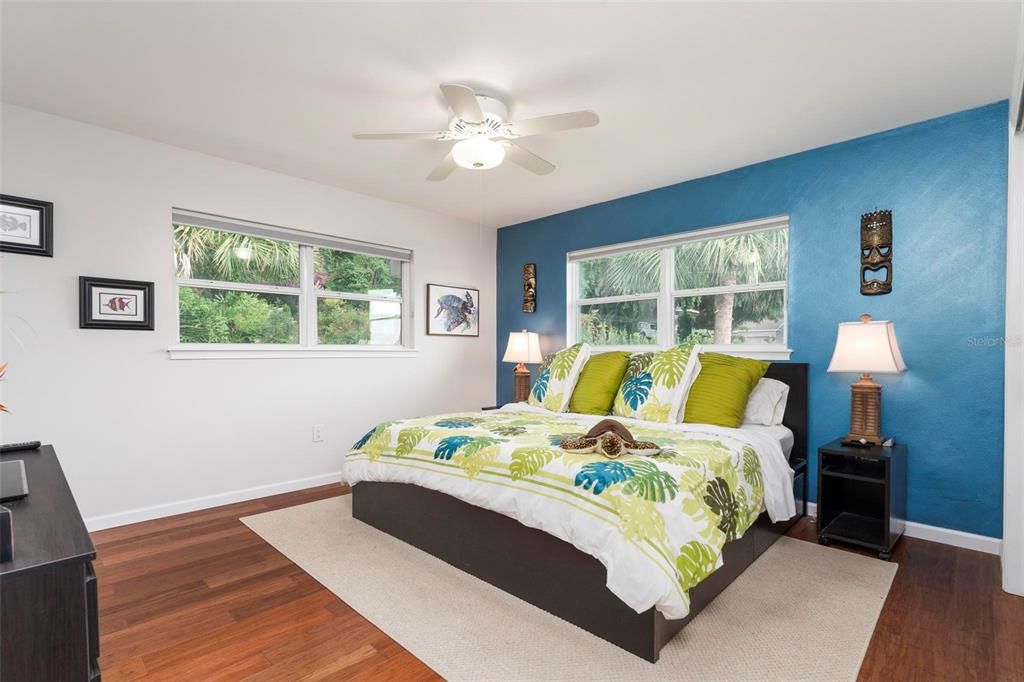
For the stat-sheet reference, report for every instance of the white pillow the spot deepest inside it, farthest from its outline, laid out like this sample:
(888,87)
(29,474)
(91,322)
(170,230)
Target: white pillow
(767,403)
(690,376)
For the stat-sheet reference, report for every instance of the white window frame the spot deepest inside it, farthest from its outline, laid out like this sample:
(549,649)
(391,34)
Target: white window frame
(307,294)
(666,294)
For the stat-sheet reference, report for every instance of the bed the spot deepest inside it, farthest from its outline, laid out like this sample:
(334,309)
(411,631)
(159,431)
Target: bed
(612,584)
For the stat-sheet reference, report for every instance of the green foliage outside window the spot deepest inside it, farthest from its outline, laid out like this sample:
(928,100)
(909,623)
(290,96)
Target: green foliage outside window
(746,317)
(211,316)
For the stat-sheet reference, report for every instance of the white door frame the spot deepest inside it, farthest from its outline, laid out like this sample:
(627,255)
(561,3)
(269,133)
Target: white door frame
(1013,417)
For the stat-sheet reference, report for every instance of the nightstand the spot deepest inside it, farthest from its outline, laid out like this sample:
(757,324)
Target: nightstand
(862,495)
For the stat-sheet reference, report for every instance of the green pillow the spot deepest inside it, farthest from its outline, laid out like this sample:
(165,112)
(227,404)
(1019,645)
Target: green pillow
(598,383)
(719,394)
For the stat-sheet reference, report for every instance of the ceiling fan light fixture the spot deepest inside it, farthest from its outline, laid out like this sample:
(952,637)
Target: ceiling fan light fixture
(478,153)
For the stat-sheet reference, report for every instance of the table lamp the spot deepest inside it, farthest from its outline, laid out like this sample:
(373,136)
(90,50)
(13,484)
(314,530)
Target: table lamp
(865,347)
(522,347)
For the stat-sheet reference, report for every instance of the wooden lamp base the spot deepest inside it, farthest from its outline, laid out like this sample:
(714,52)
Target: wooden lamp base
(865,413)
(522,383)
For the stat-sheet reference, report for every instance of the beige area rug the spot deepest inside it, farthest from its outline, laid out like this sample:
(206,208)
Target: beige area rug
(800,612)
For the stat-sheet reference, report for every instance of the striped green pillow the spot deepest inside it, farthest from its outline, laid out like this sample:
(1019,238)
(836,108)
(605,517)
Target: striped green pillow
(721,390)
(599,381)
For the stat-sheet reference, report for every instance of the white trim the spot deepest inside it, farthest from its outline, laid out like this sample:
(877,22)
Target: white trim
(752,350)
(344,295)
(159,511)
(251,351)
(729,289)
(308,329)
(700,234)
(945,536)
(1013,381)
(739,350)
(239,286)
(621,298)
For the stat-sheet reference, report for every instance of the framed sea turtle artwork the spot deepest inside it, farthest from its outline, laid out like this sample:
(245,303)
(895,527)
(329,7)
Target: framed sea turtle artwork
(452,310)
(114,304)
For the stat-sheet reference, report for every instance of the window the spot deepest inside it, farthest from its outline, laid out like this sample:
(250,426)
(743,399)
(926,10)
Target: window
(245,286)
(717,287)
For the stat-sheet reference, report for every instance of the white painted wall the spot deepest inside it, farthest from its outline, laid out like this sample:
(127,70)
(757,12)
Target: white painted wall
(140,435)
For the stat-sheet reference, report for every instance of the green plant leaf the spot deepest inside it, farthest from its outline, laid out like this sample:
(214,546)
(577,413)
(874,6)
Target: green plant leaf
(752,468)
(553,402)
(695,562)
(528,461)
(475,462)
(478,444)
(639,519)
(722,502)
(408,439)
(379,441)
(507,430)
(650,482)
(563,361)
(667,367)
(638,363)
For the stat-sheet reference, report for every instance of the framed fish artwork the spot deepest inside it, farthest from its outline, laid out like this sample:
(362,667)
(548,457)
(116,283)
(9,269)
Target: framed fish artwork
(114,304)
(453,311)
(26,226)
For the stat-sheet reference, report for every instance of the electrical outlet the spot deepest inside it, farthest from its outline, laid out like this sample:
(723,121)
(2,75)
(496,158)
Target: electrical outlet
(318,433)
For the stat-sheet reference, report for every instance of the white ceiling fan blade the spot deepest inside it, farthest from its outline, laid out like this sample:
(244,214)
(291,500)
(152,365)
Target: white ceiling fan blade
(437,135)
(462,101)
(526,159)
(443,169)
(554,123)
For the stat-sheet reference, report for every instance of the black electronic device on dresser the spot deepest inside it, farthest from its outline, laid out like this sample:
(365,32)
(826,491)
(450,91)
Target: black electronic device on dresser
(862,495)
(49,622)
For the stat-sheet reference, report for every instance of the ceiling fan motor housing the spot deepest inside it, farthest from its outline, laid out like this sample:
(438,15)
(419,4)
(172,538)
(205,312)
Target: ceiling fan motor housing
(495,115)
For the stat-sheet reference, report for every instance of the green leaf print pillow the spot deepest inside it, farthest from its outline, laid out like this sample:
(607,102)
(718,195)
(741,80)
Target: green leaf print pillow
(655,385)
(556,377)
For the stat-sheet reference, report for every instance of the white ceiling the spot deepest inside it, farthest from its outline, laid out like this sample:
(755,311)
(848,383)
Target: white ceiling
(683,89)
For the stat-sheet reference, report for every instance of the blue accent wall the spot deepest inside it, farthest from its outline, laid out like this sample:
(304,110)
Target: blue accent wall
(945,180)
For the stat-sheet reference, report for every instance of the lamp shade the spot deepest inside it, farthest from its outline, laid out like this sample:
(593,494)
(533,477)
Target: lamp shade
(523,346)
(868,346)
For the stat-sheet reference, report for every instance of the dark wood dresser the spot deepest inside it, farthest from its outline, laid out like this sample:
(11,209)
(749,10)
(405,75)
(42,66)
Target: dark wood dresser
(49,624)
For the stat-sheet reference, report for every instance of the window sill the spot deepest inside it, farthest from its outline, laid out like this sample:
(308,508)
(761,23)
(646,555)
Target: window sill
(744,351)
(777,353)
(202,351)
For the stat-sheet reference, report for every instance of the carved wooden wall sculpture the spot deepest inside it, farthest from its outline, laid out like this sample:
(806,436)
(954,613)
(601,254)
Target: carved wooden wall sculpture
(876,253)
(530,288)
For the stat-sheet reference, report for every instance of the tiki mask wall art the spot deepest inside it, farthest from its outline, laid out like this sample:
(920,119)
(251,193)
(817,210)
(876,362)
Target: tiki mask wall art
(530,288)
(876,253)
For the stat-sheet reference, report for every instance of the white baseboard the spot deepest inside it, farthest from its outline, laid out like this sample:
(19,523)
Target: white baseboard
(158,511)
(946,536)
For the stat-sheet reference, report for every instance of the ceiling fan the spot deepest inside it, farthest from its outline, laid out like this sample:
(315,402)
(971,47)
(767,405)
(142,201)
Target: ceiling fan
(484,137)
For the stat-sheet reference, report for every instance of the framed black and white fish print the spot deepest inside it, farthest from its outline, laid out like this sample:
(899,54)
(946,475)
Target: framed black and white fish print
(114,304)
(26,226)
(453,311)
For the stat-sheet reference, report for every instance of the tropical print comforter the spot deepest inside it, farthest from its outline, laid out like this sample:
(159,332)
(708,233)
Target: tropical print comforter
(658,524)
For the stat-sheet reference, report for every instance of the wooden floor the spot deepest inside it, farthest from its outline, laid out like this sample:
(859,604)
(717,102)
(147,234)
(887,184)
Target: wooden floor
(200,597)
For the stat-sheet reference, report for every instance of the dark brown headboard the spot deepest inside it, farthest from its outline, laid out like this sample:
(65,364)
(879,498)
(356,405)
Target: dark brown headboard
(794,374)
